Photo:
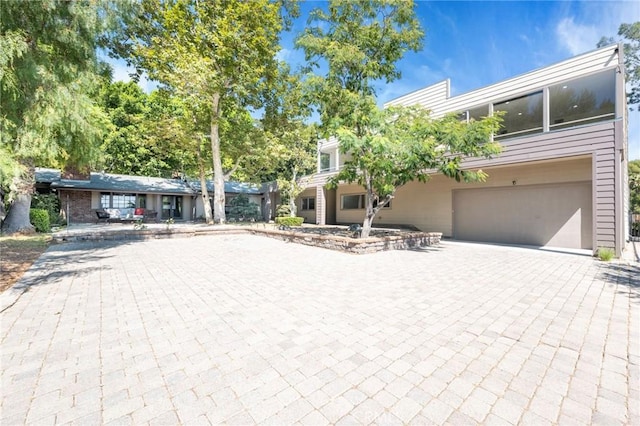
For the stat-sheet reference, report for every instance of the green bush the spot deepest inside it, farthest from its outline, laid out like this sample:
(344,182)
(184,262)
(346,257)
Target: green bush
(283,210)
(605,254)
(40,219)
(50,203)
(289,221)
(241,209)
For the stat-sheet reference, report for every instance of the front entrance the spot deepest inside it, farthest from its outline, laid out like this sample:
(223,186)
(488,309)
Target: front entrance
(172,206)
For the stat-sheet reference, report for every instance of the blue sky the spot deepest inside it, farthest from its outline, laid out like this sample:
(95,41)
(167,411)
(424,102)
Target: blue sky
(477,43)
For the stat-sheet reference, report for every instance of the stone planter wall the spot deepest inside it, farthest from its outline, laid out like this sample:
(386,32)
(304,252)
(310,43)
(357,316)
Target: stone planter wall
(404,241)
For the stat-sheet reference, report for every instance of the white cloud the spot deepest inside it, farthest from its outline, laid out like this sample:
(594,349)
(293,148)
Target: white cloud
(577,38)
(283,54)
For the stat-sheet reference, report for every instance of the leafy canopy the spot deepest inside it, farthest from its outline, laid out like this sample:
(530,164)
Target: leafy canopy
(359,43)
(401,144)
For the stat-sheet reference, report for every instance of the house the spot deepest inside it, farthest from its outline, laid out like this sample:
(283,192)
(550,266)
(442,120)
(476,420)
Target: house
(81,196)
(560,181)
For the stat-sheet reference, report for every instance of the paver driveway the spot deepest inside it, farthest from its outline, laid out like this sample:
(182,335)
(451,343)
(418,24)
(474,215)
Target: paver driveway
(244,329)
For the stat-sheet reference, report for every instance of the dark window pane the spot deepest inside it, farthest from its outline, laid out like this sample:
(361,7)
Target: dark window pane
(522,116)
(478,113)
(351,202)
(583,100)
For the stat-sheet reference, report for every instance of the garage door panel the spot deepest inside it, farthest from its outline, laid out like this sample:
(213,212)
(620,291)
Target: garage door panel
(543,215)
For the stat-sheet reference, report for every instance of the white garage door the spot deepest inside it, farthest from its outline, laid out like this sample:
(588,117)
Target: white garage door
(541,215)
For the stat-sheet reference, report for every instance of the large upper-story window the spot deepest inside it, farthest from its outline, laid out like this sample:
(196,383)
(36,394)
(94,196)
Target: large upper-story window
(522,116)
(583,100)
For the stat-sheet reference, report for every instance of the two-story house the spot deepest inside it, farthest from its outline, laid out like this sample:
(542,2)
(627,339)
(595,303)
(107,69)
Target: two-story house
(560,181)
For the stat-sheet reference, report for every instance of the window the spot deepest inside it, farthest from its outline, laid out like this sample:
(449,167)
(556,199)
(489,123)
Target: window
(475,114)
(386,206)
(325,161)
(119,201)
(308,203)
(584,100)
(522,116)
(353,202)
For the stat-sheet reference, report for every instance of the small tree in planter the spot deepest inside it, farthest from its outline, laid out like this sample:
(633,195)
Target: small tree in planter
(243,209)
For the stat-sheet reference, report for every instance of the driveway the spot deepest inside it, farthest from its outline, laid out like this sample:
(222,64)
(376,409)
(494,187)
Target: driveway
(243,329)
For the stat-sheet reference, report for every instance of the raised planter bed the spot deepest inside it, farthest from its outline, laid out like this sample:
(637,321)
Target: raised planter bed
(330,238)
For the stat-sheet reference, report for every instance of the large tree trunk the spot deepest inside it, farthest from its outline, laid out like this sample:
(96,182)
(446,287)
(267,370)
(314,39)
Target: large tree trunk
(17,219)
(208,214)
(218,175)
(370,213)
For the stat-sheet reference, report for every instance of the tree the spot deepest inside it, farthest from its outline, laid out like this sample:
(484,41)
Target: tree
(48,75)
(634,186)
(630,38)
(291,146)
(360,43)
(149,135)
(398,145)
(212,55)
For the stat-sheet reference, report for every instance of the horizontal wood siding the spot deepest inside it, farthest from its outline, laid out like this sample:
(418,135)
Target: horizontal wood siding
(594,61)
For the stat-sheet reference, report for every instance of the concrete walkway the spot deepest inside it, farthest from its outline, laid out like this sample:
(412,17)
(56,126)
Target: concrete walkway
(242,329)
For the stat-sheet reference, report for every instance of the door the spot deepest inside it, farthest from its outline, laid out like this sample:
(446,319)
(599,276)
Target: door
(558,215)
(171,206)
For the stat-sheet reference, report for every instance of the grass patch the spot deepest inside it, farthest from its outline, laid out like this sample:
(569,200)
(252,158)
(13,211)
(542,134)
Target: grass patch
(17,254)
(605,254)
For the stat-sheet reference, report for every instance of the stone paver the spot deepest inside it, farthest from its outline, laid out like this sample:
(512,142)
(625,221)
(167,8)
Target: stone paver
(243,329)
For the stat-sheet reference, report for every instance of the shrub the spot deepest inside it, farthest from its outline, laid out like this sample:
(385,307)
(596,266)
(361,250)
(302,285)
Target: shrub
(289,221)
(605,254)
(40,219)
(283,210)
(241,209)
(50,203)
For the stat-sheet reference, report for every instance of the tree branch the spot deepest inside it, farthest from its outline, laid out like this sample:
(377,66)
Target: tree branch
(235,167)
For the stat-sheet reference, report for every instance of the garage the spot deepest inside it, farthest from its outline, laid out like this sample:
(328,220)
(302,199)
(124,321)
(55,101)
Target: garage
(558,215)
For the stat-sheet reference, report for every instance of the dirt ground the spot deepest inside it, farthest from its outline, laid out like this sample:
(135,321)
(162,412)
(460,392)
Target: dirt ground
(17,254)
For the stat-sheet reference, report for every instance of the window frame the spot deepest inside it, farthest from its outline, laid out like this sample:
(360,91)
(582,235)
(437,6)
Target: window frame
(307,200)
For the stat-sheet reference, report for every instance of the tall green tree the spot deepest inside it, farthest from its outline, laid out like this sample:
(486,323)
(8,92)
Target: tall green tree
(291,142)
(360,42)
(207,53)
(398,145)
(48,75)
(148,136)
(629,35)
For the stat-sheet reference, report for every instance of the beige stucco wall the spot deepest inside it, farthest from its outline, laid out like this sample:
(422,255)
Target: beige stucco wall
(428,206)
(309,215)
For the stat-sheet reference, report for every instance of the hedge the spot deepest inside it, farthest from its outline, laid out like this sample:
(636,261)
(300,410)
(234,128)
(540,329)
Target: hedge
(40,219)
(289,221)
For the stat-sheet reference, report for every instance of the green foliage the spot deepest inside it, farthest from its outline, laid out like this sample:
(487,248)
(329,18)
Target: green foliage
(401,144)
(360,41)
(216,56)
(605,254)
(283,210)
(634,186)
(48,78)
(630,37)
(289,221)
(40,220)
(243,209)
(150,135)
(48,67)
(50,203)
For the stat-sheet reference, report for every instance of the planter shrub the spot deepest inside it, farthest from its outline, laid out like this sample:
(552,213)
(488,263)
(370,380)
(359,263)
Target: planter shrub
(289,221)
(40,219)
